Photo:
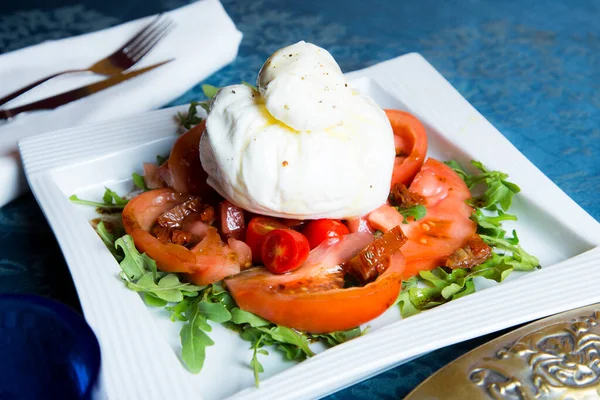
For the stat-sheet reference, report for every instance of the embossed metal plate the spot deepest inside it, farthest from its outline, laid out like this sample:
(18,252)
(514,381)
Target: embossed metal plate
(554,358)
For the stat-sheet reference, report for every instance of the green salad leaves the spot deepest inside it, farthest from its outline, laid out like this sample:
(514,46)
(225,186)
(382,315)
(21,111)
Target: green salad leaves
(417,212)
(190,119)
(197,306)
(139,182)
(111,201)
(432,288)
(187,121)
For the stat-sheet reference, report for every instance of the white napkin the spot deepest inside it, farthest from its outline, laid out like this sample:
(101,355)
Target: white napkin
(204,40)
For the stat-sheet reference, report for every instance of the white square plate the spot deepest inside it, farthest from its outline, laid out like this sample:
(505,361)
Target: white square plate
(140,346)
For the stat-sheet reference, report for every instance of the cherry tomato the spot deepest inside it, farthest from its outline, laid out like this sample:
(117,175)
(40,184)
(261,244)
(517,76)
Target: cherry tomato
(284,250)
(312,298)
(258,228)
(411,145)
(319,230)
(209,261)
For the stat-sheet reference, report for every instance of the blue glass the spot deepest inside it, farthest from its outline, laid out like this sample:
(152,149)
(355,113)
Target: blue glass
(47,350)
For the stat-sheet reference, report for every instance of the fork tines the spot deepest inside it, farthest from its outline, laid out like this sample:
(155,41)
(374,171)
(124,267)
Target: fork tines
(148,37)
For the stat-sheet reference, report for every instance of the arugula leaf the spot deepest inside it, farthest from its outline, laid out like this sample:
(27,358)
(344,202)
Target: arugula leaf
(178,310)
(205,106)
(103,206)
(287,335)
(139,182)
(499,191)
(134,264)
(291,352)
(153,301)
(112,198)
(108,237)
(194,339)
(111,201)
(491,225)
(139,272)
(439,286)
(216,293)
(256,366)
(214,311)
(407,308)
(338,337)
(239,316)
(520,259)
(191,118)
(495,268)
(417,212)
(210,91)
(168,288)
(249,333)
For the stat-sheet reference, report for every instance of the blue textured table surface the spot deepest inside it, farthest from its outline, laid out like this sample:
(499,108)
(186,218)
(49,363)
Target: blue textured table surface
(531,67)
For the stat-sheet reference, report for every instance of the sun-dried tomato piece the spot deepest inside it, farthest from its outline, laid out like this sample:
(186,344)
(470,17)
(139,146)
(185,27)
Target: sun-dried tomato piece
(374,259)
(402,197)
(473,253)
(174,217)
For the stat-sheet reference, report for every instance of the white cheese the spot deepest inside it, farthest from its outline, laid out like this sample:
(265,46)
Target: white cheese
(279,152)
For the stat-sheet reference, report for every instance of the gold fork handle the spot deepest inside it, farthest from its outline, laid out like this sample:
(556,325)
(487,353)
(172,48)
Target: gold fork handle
(27,88)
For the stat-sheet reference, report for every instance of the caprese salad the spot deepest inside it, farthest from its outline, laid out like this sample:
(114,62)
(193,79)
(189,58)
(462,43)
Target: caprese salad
(299,210)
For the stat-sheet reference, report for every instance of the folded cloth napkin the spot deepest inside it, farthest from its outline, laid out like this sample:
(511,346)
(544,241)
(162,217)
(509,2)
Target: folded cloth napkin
(204,40)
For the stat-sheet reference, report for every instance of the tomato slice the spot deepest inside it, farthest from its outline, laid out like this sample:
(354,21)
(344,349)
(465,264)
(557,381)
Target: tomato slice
(411,145)
(446,227)
(284,250)
(312,298)
(187,174)
(258,228)
(319,230)
(210,260)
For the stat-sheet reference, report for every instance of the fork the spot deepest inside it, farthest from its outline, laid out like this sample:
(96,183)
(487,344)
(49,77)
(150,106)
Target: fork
(119,61)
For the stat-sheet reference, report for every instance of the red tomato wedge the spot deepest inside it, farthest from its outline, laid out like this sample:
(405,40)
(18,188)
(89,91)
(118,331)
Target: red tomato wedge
(284,250)
(445,228)
(319,230)
(258,228)
(411,145)
(187,174)
(210,260)
(312,298)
